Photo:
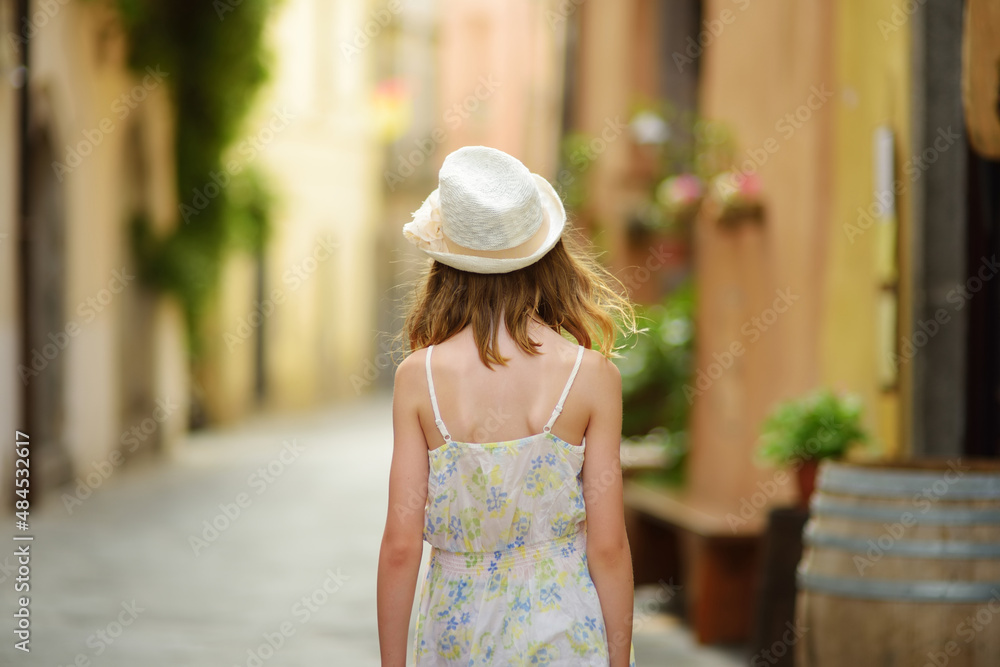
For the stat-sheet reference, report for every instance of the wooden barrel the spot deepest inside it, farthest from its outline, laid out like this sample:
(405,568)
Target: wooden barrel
(901,567)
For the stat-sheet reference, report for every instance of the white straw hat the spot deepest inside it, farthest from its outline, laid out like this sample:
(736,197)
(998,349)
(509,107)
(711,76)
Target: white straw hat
(489,214)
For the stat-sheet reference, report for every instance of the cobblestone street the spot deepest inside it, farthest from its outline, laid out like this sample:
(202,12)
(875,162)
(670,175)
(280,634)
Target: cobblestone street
(252,546)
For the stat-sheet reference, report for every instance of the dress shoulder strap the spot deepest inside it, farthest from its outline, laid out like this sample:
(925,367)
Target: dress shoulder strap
(434,402)
(565,392)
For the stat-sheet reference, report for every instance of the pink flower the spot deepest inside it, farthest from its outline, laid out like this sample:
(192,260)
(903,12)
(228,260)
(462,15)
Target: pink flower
(734,189)
(679,191)
(749,186)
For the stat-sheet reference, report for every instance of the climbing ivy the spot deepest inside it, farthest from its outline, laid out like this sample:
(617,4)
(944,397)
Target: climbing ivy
(215,61)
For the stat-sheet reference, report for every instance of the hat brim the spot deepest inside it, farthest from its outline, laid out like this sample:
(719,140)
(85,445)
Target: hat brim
(552,211)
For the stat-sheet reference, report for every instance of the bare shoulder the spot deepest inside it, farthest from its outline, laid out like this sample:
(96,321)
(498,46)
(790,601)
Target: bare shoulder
(602,392)
(410,373)
(600,374)
(600,367)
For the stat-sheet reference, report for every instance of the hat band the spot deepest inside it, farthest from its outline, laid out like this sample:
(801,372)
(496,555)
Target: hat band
(524,249)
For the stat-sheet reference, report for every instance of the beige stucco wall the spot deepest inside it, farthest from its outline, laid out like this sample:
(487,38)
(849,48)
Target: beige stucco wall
(501,78)
(77,79)
(767,62)
(608,86)
(813,184)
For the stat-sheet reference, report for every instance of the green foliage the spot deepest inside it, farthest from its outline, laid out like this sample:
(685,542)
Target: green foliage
(215,61)
(818,426)
(575,157)
(657,364)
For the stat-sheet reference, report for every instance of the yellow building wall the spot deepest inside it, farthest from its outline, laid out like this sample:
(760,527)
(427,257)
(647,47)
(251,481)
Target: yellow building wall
(317,146)
(872,75)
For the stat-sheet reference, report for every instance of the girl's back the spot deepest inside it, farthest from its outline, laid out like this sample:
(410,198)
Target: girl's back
(506,436)
(508,577)
(480,404)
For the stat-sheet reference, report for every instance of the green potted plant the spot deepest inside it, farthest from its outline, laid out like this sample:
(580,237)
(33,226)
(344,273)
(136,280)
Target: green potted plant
(801,432)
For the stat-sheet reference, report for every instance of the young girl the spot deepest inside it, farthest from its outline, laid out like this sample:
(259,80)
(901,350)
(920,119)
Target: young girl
(506,436)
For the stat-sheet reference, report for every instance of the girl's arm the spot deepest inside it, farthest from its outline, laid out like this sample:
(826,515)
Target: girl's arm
(607,544)
(402,541)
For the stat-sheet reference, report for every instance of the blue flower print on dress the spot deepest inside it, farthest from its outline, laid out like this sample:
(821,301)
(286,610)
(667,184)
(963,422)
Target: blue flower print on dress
(496,500)
(508,581)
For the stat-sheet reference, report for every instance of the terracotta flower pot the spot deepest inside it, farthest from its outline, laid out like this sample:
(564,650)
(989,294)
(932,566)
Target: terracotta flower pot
(806,474)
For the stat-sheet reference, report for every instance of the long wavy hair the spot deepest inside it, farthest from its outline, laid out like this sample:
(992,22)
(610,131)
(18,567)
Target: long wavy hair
(567,289)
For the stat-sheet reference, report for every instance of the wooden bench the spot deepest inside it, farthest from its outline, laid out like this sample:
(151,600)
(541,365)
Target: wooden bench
(678,539)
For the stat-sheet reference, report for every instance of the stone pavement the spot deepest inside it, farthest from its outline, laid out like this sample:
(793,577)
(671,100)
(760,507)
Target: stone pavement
(261,535)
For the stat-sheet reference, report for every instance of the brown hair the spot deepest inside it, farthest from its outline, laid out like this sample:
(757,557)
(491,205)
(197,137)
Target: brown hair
(567,289)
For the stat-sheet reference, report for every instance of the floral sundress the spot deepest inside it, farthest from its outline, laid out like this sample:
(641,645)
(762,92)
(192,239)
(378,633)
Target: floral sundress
(508,582)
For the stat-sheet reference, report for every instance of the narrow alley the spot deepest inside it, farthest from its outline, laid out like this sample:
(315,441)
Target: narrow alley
(248,547)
